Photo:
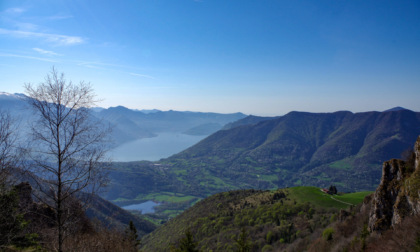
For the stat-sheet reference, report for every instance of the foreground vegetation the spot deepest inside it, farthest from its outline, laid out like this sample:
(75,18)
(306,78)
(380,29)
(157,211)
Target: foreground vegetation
(303,218)
(262,220)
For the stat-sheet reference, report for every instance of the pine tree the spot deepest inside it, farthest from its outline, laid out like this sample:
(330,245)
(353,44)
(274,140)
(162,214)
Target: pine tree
(12,222)
(243,242)
(132,236)
(186,244)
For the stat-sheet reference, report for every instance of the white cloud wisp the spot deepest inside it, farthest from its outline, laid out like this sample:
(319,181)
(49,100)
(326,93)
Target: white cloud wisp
(53,38)
(42,51)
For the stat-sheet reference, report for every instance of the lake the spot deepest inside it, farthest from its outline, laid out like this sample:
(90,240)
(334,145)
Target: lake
(155,148)
(145,207)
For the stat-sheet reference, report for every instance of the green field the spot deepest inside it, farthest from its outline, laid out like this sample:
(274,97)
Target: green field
(315,196)
(167,197)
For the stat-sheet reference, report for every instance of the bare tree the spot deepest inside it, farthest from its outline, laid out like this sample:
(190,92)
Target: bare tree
(9,154)
(69,145)
(12,224)
(7,224)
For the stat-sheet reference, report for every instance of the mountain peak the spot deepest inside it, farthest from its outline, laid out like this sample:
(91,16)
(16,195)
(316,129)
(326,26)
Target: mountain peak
(119,108)
(9,96)
(396,109)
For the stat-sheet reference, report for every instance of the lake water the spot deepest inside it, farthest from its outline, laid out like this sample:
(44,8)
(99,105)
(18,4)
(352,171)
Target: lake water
(155,148)
(145,207)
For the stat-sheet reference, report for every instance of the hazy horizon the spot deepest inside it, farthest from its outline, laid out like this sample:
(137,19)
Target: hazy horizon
(152,110)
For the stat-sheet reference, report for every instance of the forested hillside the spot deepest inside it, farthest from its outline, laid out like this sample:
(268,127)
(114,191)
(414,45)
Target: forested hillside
(301,149)
(258,220)
(303,218)
(342,148)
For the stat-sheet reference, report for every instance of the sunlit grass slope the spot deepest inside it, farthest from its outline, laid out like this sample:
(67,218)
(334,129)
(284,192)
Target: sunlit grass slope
(315,196)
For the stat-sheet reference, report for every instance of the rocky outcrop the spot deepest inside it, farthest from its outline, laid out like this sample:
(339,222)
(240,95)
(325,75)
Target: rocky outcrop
(398,194)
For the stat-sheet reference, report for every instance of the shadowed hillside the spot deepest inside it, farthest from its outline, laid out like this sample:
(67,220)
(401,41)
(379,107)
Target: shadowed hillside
(341,148)
(302,149)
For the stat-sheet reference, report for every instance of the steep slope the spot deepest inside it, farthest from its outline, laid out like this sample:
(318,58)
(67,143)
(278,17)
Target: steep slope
(108,214)
(300,148)
(249,120)
(271,219)
(388,220)
(305,219)
(113,216)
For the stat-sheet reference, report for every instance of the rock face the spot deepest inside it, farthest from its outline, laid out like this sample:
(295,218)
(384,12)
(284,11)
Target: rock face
(398,194)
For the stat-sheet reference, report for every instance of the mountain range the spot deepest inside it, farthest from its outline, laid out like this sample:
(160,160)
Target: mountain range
(318,149)
(299,148)
(129,125)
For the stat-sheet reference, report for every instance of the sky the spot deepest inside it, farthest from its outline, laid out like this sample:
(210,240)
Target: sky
(260,57)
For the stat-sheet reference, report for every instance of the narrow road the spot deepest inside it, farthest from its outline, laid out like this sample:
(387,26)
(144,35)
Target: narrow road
(341,201)
(337,199)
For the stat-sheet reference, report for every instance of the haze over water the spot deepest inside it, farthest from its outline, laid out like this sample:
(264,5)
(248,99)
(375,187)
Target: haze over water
(155,148)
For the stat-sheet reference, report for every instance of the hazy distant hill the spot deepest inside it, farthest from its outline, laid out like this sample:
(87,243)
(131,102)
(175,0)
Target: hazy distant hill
(395,109)
(14,104)
(167,121)
(129,125)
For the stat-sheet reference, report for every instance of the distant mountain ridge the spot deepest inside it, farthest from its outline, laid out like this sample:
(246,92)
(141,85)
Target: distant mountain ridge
(395,109)
(133,124)
(130,125)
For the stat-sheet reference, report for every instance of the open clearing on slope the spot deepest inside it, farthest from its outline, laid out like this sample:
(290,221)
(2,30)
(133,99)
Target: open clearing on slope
(313,195)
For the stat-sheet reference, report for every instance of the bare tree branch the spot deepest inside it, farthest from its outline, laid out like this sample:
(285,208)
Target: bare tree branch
(68,150)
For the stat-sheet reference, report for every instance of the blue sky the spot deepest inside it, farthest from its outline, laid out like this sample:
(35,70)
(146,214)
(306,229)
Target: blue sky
(264,57)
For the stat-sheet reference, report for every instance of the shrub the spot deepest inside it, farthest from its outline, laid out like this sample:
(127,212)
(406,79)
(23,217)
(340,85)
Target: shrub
(267,248)
(328,234)
(269,237)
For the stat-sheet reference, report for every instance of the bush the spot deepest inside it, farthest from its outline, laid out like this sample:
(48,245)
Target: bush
(267,248)
(328,234)
(269,237)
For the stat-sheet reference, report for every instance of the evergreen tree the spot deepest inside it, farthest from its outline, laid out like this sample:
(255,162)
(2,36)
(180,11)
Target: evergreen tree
(243,242)
(131,234)
(186,244)
(12,223)
(333,189)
